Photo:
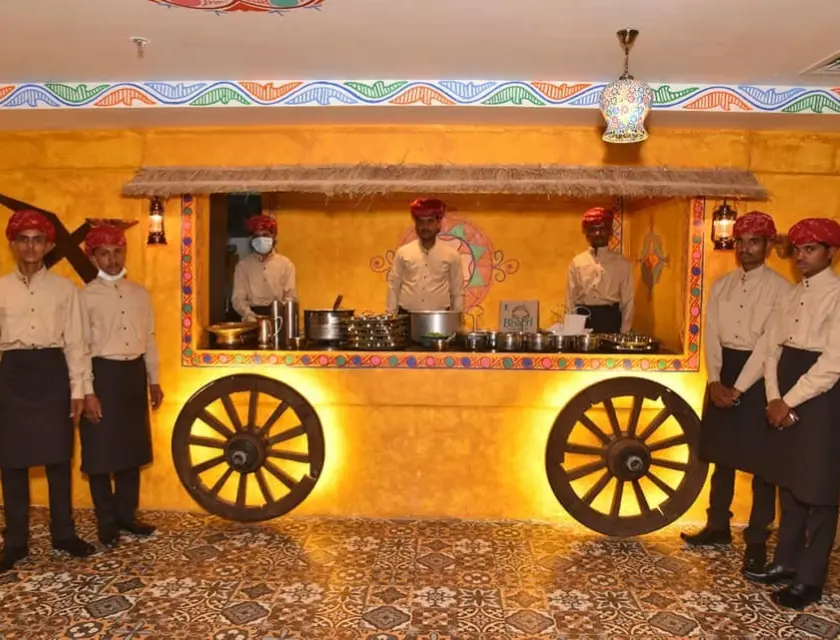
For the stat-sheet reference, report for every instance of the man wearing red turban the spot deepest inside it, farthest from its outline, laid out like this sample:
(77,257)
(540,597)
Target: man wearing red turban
(43,369)
(600,281)
(427,274)
(802,452)
(115,431)
(733,432)
(264,275)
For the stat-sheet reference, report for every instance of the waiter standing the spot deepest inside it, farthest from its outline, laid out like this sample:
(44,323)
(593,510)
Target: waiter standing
(600,280)
(265,275)
(115,431)
(427,274)
(802,369)
(42,375)
(734,427)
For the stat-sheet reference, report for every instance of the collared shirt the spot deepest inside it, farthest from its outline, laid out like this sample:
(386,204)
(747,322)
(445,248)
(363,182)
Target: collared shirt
(808,318)
(738,309)
(119,324)
(601,278)
(256,283)
(425,279)
(43,312)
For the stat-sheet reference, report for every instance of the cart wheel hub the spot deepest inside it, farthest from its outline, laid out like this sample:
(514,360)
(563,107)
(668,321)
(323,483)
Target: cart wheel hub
(628,459)
(245,453)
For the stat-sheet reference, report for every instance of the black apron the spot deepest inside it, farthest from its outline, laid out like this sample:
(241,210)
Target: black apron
(735,437)
(122,438)
(405,312)
(35,424)
(805,458)
(264,310)
(603,318)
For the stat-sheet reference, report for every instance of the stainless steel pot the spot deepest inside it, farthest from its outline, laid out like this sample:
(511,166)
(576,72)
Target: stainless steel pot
(324,325)
(587,343)
(434,324)
(509,341)
(541,342)
(475,341)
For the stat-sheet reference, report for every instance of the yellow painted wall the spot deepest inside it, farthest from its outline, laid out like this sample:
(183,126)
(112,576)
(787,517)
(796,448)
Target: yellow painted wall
(422,443)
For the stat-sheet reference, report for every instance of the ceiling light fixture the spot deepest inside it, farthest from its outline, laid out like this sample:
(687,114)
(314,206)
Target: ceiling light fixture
(626,102)
(140,43)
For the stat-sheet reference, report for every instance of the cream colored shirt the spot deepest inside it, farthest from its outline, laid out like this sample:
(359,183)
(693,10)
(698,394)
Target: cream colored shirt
(601,279)
(119,324)
(257,283)
(44,313)
(425,280)
(808,318)
(738,311)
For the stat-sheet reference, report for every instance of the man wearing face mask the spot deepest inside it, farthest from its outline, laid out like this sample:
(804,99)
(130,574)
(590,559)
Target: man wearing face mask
(42,377)
(427,274)
(600,280)
(263,276)
(119,328)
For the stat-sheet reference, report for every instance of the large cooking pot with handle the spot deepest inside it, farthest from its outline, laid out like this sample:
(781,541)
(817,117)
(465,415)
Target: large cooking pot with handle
(324,325)
(428,325)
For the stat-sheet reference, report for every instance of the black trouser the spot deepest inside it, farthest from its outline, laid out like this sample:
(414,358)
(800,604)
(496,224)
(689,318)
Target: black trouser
(118,502)
(762,512)
(16,504)
(603,318)
(806,538)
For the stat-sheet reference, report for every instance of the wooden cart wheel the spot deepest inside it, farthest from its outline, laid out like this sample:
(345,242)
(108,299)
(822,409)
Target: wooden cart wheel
(250,468)
(622,457)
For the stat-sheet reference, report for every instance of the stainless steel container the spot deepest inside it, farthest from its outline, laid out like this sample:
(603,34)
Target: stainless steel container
(324,325)
(587,343)
(540,342)
(475,341)
(509,341)
(291,321)
(266,333)
(434,324)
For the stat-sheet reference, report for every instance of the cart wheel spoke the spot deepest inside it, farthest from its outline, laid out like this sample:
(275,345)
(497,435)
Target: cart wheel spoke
(597,488)
(232,414)
(613,417)
(658,420)
(626,456)
(214,423)
(246,449)
(593,428)
(581,472)
(667,443)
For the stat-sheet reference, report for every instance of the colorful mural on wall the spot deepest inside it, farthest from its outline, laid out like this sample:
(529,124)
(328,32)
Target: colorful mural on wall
(226,6)
(428,93)
(481,263)
(652,260)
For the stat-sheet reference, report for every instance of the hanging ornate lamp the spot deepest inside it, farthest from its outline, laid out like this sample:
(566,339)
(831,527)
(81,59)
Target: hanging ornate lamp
(626,102)
(723,227)
(157,233)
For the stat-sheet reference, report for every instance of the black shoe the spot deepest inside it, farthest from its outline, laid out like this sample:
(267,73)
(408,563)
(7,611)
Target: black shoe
(797,596)
(109,535)
(138,528)
(771,574)
(755,558)
(707,537)
(75,546)
(10,556)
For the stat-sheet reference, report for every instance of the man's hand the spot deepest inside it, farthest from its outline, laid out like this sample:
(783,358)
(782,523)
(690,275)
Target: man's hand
(249,318)
(780,415)
(156,394)
(720,396)
(77,405)
(93,409)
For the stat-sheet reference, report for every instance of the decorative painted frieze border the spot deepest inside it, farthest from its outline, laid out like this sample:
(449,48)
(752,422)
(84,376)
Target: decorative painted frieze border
(426,93)
(688,361)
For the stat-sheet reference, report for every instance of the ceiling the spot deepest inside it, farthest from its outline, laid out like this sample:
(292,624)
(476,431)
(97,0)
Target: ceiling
(756,42)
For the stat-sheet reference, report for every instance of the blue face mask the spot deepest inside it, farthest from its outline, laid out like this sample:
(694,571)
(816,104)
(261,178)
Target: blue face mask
(262,245)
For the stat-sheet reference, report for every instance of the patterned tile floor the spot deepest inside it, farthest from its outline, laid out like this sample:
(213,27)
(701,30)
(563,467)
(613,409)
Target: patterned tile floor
(313,579)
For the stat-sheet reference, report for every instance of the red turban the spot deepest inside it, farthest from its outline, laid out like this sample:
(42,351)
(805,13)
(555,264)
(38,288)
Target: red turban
(597,216)
(256,224)
(815,230)
(428,208)
(104,235)
(29,221)
(755,223)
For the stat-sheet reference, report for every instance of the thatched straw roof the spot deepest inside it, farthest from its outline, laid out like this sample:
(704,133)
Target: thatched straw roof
(376,179)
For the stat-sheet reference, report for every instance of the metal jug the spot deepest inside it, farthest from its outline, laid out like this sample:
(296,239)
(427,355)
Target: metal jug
(291,321)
